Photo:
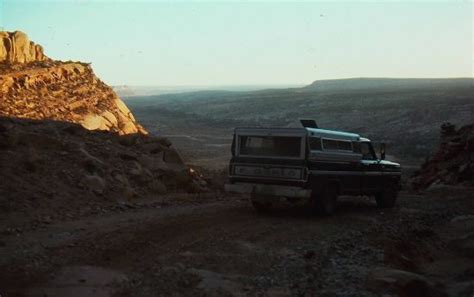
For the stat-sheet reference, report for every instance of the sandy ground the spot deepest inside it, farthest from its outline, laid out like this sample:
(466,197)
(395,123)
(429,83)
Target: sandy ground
(218,245)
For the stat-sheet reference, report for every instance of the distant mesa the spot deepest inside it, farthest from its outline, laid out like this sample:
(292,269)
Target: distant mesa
(123,90)
(385,84)
(33,86)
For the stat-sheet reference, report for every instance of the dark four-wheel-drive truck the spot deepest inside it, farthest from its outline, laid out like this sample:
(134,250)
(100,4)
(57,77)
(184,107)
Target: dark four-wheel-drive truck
(309,165)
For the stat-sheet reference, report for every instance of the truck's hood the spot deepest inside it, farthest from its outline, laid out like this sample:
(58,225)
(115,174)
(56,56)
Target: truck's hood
(390,164)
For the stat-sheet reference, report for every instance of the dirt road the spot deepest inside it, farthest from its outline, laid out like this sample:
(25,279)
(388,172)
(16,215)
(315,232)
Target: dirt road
(222,247)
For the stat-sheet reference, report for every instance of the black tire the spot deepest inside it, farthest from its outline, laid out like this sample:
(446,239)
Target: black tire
(386,198)
(260,207)
(325,201)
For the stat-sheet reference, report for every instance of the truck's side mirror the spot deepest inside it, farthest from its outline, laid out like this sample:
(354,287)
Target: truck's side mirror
(382,151)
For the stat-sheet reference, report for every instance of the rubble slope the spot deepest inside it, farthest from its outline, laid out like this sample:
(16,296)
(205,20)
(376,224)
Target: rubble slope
(57,169)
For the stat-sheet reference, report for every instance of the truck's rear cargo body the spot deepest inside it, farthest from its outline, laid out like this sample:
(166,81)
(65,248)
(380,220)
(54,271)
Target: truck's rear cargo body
(269,155)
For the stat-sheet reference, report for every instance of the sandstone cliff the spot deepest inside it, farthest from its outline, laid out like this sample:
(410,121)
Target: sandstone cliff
(16,47)
(35,87)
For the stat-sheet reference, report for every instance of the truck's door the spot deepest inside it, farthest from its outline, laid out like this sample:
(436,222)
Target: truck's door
(336,160)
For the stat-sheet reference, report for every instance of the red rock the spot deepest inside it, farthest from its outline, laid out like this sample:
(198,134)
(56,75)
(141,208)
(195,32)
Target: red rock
(45,89)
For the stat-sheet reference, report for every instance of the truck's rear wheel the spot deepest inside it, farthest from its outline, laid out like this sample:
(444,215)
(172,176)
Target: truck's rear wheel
(325,201)
(386,198)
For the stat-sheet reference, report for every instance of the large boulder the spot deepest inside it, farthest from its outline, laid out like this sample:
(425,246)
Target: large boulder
(108,116)
(384,280)
(94,122)
(94,184)
(122,107)
(21,47)
(461,235)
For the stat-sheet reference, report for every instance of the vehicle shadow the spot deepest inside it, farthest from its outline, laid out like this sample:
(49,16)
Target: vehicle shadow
(347,206)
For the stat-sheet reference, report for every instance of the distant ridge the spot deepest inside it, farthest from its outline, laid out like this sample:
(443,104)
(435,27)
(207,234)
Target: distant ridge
(368,83)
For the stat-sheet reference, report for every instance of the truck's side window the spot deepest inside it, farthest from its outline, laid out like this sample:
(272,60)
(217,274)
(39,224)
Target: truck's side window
(270,146)
(366,151)
(337,145)
(315,144)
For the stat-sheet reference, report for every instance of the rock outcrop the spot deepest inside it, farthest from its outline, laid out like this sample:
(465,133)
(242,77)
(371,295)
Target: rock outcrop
(35,87)
(15,47)
(453,161)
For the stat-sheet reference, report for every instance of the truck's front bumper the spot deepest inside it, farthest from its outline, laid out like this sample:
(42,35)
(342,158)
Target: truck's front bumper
(268,190)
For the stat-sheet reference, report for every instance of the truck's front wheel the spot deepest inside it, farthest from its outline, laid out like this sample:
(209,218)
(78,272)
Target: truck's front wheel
(258,203)
(386,198)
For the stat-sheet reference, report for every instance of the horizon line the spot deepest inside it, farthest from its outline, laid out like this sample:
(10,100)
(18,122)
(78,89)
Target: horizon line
(291,84)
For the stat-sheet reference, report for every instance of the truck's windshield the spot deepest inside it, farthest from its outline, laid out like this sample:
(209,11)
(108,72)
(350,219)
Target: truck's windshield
(270,146)
(367,151)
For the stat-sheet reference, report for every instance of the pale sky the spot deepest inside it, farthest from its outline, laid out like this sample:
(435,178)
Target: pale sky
(250,43)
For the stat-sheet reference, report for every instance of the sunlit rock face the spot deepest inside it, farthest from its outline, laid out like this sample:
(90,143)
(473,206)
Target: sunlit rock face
(15,47)
(33,86)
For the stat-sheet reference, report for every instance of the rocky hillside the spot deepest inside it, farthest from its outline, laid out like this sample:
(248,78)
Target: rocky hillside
(33,86)
(57,170)
(453,161)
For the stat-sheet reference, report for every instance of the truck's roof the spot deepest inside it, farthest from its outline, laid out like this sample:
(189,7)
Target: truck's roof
(332,134)
(316,132)
(251,131)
